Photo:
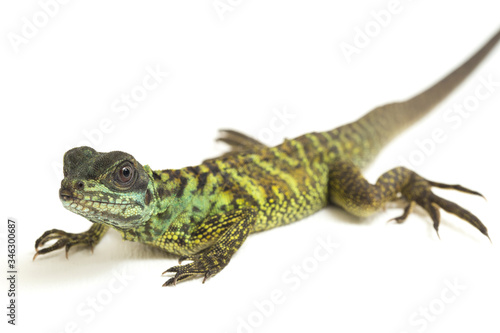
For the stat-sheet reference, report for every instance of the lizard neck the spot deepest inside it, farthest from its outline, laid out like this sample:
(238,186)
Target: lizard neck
(175,190)
(177,196)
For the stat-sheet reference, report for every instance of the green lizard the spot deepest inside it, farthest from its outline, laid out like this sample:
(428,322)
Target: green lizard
(204,213)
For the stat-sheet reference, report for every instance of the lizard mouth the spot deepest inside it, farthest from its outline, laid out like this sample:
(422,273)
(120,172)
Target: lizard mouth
(66,196)
(69,198)
(119,214)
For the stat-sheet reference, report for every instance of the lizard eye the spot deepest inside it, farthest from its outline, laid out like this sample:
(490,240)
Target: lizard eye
(125,174)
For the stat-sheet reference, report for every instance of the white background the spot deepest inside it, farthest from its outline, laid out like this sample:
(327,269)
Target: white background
(232,73)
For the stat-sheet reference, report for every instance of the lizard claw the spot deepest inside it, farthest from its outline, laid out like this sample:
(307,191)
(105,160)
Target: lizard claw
(67,240)
(179,276)
(419,191)
(406,213)
(63,240)
(206,264)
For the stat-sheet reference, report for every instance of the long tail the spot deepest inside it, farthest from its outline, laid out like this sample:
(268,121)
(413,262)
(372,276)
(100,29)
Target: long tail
(383,123)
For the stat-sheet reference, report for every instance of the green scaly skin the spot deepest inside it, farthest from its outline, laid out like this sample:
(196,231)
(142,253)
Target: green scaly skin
(204,213)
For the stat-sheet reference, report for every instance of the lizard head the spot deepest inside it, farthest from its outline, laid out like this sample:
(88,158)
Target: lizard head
(109,188)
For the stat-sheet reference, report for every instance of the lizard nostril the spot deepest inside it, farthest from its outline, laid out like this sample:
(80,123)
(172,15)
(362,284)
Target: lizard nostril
(79,185)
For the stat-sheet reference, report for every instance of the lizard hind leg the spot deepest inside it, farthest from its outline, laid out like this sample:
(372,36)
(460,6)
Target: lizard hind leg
(349,189)
(238,142)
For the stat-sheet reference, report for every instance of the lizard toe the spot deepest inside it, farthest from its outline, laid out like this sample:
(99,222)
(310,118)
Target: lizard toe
(67,240)
(419,191)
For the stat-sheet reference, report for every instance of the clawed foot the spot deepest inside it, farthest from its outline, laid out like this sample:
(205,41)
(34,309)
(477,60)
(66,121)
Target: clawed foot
(418,191)
(67,240)
(204,264)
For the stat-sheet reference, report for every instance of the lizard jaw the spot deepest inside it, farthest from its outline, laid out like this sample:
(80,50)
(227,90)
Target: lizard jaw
(99,210)
(69,198)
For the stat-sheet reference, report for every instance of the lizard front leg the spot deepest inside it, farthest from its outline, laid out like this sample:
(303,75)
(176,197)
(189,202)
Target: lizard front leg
(65,239)
(350,190)
(224,234)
